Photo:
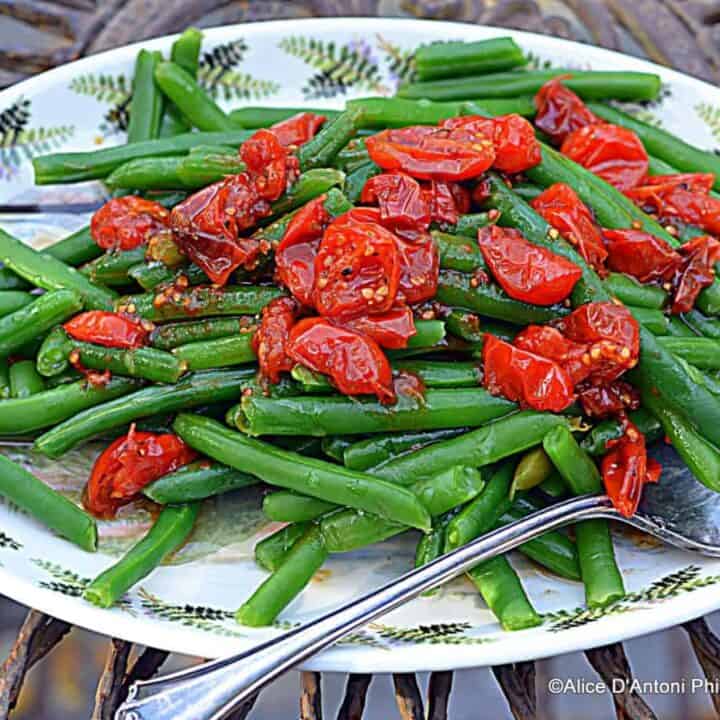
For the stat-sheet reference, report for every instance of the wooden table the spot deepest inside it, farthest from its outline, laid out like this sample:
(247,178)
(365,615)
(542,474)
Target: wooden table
(681,33)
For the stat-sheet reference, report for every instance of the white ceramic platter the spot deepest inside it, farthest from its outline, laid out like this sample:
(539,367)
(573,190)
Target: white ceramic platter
(187,606)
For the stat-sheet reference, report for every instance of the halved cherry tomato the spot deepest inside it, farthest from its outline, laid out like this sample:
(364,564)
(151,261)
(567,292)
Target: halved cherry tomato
(125,223)
(626,468)
(682,196)
(560,111)
(611,334)
(637,253)
(419,269)
(270,339)
(564,210)
(207,224)
(295,255)
(613,153)
(401,199)
(357,269)
(525,271)
(447,201)
(608,399)
(531,380)
(697,271)
(298,129)
(108,329)
(550,343)
(390,330)
(130,463)
(430,153)
(516,147)
(354,362)
(269,164)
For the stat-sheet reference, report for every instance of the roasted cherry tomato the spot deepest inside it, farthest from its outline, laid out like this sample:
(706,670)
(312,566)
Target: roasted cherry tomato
(354,362)
(611,334)
(613,153)
(130,463)
(270,340)
(429,153)
(550,343)
(563,209)
(626,468)
(124,223)
(267,164)
(696,271)
(295,255)
(608,399)
(390,330)
(419,269)
(298,129)
(560,111)
(108,329)
(683,196)
(525,271)
(357,269)
(516,147)
(531,380)
(637,253)
(207,224)
(402,202)
(447,201)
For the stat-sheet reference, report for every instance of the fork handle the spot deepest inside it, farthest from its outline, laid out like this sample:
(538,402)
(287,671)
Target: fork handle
(212,690)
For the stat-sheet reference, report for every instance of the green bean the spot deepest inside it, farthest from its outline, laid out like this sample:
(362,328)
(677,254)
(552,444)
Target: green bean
(471,328)
(554,485)
(526,191)
(32,321)
(199,302)
(306,475)
(146,104)
(678,328)
(334,447)
(630,292)
(533,469)
(172,527)
(458,252)
(11,281)
(709,327)
(167,337)
(223,352)
(12,300)
(664,145)
(24,379)
(52,357)
(455,58)
(340,415)
(192,101)
(589,84)
(286,506)
(185,52)
(196,481)
(262,117)
(4,379)
(302,561)
(469,225)
(430,546)
(308,186)
(454,486)
(112,268)
(271,551)
(356,179)
(704,353)
(97,164)
(47,505)
(462,290)
(196,390)
(44,271)
(321,150)
(600,574)
(654,320)
(595,442)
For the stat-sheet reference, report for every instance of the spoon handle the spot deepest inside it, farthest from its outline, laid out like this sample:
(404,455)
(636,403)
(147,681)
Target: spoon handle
(212,690)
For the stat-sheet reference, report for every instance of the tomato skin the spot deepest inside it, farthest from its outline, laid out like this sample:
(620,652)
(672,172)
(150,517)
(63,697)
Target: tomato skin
(560,111)
(357,269)
(419,269)
(560,206)
(611,334)
(270,340)
(298,129)
(429,153)
(125,223)
(609,399)
(390,330)
(295,255)
(130,463)
(354,362)
(108,329)
(401,200)
(523,377)
(447,201)
(267,164)
(525,271)
(696,272)
(626,468)
(637,253)
(611,152)
(550,343)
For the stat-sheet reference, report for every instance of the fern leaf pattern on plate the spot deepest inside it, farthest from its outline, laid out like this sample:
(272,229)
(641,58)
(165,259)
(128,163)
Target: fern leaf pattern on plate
(400,61)
(710,115)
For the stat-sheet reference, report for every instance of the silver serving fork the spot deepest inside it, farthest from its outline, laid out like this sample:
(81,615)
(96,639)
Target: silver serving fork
(679,511)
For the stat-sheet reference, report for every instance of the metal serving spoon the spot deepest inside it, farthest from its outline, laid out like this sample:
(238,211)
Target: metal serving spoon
(678,511)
